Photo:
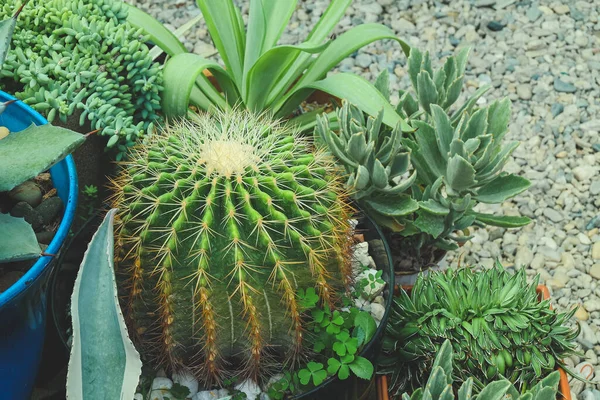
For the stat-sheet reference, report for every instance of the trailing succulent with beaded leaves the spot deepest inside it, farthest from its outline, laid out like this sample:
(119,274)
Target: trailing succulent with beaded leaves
(440,384)
(80,62)
(223,220)
(496,323)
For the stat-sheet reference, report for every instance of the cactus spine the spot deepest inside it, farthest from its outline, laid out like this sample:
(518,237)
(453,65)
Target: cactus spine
(223,219)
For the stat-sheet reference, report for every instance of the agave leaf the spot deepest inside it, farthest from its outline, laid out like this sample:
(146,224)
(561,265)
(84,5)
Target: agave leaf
(346,44)
(267,20)
(228,34)
(181,74)
(49,144)
(104,363)
(7,27)
(356,90)
(159,35)
(18,240)
(502,188)
(268,70)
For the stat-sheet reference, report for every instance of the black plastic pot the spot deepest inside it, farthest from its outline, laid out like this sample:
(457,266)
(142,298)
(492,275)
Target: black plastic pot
(355,388)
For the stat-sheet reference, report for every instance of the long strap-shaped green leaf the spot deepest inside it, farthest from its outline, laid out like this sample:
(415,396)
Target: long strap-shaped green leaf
(269,68)
(181,74)
(104,363)
(266,22)
(346,44)
(160,36)
(226,28)
(357,91)
(7,27)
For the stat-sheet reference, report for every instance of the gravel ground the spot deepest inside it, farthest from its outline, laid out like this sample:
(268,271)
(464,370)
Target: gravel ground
(543,55)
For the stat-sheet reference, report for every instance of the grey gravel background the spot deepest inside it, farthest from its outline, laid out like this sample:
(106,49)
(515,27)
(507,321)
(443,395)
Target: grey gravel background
(543,55)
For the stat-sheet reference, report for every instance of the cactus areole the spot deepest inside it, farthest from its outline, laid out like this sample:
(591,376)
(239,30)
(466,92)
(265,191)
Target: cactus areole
(222,220)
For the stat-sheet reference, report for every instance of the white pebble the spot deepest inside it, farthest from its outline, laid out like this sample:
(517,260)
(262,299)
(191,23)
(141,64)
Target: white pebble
(187,379)
(162,383)
(250,388)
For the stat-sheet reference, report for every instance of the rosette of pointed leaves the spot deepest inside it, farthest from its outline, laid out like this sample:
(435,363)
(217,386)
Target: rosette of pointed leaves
(263,75)
(224,219)
(376,165)
(440,384)
(495,321)
(82,62)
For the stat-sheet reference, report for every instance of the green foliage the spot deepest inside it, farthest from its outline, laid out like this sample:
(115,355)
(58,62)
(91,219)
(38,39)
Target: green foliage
(495,321)
(19,242)
(226,220)
(7,28)
(82,62)
(258,73)
(440,382)
(103,363)
(457,158)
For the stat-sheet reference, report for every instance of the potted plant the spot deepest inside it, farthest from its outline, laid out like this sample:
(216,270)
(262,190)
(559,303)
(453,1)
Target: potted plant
(31,147)
(500,325)
(261,75)
(440,384)
(457,159)
(234,252)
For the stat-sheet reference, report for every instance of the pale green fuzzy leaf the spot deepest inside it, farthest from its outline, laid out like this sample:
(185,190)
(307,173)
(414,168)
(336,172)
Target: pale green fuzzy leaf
(268,70)
(415,61)
(355,90)
(428,148)
(181,74)
(393,206)
(379,176)
(357,147)
(498,118)
(460,174)
(228,34)
(443,129)
(362,177)
(433,207)
(18,240)
(430,223)
(402,186)
(502,188)
(437,382)
(346,44)
(469,104)
(494,391)
(49,144)
(426,91)
(471,145)
(466,390)
(159,35)
(104,364)
(476,126)
(399,165)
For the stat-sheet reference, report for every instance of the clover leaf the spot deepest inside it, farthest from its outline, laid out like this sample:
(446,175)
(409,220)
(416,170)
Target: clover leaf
(313,370)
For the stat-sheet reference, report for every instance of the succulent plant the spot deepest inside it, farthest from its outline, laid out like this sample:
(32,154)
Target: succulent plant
(223,220)
(262,75)
(495,321)
(81,62)
(440,384)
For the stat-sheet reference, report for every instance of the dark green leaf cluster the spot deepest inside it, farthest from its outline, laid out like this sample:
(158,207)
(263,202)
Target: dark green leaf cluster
(440,384)
(494,319)
(81,62)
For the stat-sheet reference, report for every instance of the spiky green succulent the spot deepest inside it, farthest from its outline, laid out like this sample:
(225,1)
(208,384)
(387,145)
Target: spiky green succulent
(440,384)
(224,220)
(494,319)
(82,62)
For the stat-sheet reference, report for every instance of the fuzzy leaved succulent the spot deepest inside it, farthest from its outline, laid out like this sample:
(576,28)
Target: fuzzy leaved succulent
(440,384)
(81,62)
(223,220)
(494,319)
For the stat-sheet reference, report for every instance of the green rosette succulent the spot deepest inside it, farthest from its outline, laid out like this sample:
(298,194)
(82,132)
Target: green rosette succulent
(224,219)
(495,321)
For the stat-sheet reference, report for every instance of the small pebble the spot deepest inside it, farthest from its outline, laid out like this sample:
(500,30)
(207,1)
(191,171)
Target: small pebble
(28,192)
(4,132)
(50,209)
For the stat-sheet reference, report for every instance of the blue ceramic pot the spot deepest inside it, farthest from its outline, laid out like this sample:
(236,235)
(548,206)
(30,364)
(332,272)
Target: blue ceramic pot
(23,305)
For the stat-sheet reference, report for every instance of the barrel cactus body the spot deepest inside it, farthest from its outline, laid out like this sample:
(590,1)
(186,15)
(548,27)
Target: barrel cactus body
(223,220)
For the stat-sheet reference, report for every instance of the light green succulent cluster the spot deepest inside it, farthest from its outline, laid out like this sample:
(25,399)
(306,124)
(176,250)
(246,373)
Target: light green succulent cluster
(440,384)
(79,61)
(224,219)
(496,323)
(458,159)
